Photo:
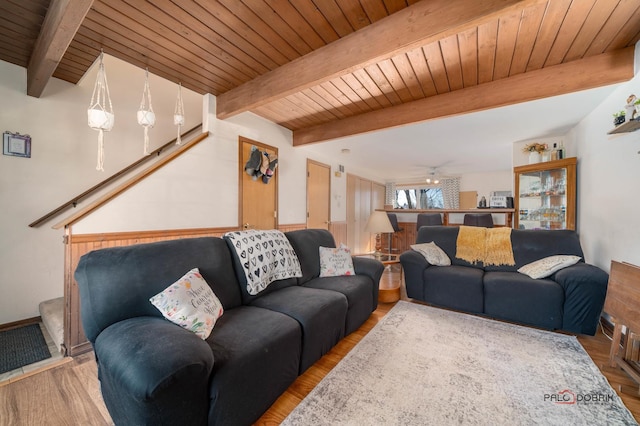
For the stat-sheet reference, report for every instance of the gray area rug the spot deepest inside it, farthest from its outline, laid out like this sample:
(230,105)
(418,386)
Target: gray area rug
(22,346)
(426,366)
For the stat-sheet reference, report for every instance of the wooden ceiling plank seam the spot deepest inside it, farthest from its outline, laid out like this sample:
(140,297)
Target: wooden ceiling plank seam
(58,29)
(22,47)
(487,45)
(244,14)
(224,18)
(597,18)
(408,76)
(32,14)
(16,59)
(626,33)
(290,110)
(468,44)
(395,80)
(183,26)
(435,62)
(360,101)
(311,109)
(333,14)
(310,97)
(211,28)
(571,25)
(273,114)
(74,51)
(341,98)
(328,97)
(508,27)
(616,22)
(414,26)
(451,59)
(127,53)
(419,64)
(154,37)
(323,103)
(355,14)
(355,85)
(529,28)
(582,74)
(11,27)
(68,69)
(281,26)
(376,74)
(394,6)
(184,60)
(375,9)
(79,64)
(554,15)
(297,22)
(308,10)
(365,80)
(22,22)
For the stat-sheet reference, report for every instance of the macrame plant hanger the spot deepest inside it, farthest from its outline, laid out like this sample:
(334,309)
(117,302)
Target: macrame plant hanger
(100,113)
(178,114)
(146,116)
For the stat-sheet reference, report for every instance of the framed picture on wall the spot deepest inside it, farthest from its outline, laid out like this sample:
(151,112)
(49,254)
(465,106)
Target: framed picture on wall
(16,144)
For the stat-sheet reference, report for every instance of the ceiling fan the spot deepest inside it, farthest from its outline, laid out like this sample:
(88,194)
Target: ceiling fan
(433,176)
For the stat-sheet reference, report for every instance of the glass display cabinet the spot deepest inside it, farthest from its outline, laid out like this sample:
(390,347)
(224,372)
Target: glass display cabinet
(546,195)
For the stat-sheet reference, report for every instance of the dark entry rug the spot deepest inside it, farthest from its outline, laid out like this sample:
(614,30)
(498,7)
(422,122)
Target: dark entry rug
(22,346)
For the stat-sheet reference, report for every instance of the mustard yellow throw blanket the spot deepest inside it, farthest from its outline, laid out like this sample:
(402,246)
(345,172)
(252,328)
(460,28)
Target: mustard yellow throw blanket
(491,246)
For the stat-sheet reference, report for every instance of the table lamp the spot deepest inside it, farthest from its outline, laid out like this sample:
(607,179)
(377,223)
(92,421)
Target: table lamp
(378,223)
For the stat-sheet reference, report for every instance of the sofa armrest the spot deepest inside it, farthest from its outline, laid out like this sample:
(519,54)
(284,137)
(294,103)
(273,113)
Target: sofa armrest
(585,288)
(371,268)
(152,372)
(414,264)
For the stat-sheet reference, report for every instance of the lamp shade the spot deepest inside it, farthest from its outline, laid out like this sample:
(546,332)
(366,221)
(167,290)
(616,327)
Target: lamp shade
(379,223)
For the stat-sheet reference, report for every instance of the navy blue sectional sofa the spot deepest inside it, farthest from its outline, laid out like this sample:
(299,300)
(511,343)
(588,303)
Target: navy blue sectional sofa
(571,299)
(153,372)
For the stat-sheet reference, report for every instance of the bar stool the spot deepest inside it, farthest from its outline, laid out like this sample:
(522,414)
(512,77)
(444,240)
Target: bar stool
(428,219)
(478,219)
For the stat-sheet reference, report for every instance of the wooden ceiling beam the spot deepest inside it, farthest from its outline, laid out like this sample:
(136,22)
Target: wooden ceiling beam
(60,25)
(595,71)
(417,25)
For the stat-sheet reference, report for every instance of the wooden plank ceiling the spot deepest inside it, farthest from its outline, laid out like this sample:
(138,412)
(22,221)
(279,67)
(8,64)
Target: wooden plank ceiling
(331,68)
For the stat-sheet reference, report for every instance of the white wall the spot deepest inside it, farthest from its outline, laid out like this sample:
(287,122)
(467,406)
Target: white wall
(198,189)
(608,183)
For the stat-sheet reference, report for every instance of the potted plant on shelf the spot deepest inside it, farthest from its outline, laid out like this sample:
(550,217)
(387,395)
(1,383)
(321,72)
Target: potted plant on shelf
(618,118)
(535,151)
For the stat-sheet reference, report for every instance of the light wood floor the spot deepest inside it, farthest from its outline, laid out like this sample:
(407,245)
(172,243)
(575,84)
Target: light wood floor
(69,394)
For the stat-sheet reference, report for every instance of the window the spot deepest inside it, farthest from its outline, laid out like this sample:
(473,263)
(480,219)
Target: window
(419,198)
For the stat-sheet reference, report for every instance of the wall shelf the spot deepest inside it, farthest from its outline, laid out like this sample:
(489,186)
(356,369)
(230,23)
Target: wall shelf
(629,126)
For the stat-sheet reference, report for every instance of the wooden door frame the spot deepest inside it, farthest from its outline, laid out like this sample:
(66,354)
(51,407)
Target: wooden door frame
(241,141)
(317,163)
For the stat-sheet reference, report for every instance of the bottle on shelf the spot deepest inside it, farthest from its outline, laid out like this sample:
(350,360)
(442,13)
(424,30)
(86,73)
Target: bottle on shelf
(561,153)
(554,152)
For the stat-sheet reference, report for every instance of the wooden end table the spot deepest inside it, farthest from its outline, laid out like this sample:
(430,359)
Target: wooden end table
(389,290)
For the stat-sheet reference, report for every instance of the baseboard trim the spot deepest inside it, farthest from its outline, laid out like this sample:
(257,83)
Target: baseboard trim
(20,323)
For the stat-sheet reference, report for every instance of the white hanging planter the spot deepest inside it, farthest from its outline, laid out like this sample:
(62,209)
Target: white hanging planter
(146,116)
(178,114)
(100,113)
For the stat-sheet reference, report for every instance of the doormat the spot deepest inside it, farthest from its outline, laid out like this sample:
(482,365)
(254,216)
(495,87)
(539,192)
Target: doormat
(22,346)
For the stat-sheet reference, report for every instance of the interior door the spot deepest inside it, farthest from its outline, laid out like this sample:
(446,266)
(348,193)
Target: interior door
(258,192)
(318,195)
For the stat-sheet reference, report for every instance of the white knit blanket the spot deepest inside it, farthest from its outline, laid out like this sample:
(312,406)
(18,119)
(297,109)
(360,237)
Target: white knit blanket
(266,256)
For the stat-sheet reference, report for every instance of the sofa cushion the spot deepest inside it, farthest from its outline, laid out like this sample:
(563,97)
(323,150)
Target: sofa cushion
(307,243)
(357,289)
(257,356)
(264,256)
(530,245)
(544,267)
(444,237)
(456,287)
(190,303)
(335,261)
(432,253)
(516,297)
(116,283)
(321,314)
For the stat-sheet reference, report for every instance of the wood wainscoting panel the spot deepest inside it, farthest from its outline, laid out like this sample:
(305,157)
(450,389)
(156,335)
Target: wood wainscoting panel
(75,341)
(401,240)
(339,232)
